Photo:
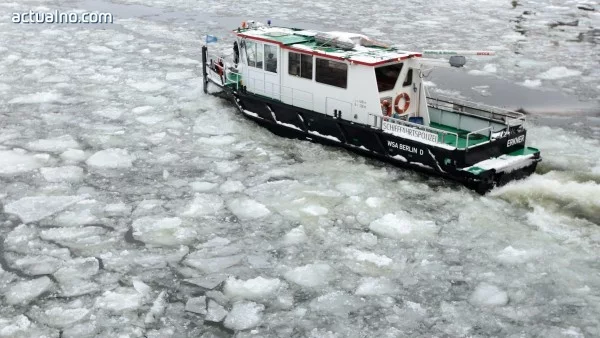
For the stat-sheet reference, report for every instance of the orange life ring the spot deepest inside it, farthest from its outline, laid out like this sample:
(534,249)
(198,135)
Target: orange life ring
(406,103)
(386,108)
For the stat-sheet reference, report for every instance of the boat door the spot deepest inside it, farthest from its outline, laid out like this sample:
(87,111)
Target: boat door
(272,71)
(262,73)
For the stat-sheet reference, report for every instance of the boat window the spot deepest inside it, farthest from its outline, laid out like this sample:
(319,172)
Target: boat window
(408,80)
(332,73)
(387,76)
(254,52)
(271,58)
(300,65)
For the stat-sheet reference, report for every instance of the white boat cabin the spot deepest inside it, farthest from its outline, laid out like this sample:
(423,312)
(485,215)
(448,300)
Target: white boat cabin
(344,75)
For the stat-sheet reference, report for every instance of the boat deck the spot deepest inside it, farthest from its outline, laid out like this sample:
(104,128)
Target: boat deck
(474,139)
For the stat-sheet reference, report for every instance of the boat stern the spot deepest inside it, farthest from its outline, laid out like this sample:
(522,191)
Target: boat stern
(493,172)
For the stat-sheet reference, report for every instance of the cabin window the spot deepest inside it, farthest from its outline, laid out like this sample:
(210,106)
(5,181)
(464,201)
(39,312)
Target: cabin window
(387,76)
(408,80)
(271,58)
(254,53)
(300,65)
(332,73)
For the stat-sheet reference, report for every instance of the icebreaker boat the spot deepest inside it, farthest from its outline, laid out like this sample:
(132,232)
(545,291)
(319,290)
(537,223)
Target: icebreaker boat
(348,90)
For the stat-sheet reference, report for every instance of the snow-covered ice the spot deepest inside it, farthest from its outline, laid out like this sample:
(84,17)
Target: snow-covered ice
(488,295)
(253,289)
(26,291)
(111,158)
(310,275)
(35,208)
(244,315)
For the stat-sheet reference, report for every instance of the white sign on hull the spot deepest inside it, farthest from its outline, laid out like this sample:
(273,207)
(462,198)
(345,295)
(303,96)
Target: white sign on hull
(405,131)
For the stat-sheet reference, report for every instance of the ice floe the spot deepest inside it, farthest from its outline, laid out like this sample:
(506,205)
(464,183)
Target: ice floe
(111,158)
(15,162)
(246,208)
(244,315)
(26,291)
(120,300)
(62,174)
(252,289)
(35,208)
(488,295)
(57,144)
(310,275)
(400,226)
(168,231)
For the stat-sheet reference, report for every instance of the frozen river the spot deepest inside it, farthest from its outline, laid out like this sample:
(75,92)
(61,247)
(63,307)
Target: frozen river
(134,205)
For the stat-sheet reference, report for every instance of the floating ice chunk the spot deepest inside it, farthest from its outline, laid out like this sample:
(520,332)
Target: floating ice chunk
(62,174)
(400,226)
(20,326)
(315,210)
(215,312)
(117,209)
(310,275)
(40,97)
(32,209)
(84,237)
(61,317)
(253,289)
(150,85)
(196,305)
(203,204)
(201,186)
(212,123)
(231,186)
(81,330)
(374,202)
(141,287)
(111,158)
(142,110)
(209,281)
(73,155)
(57,144)
(151,119)
(212,264)
(246,208)
(555,73)
(78,268)
(350,189)
(217,140)
(488,295)
(99,49)
(531,83)
(110,113)
(14,162)
(336,303)
(175,76)
(295,236)
(490,68)
(125,299)
(37,264)
(226,167)
(370,286)
(157,309)
(162,231)
(511,255)
(26,291)
(244,315)
(369,257)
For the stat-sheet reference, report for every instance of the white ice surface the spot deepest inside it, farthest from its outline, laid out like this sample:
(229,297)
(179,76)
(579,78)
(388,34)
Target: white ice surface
(111,158)
(35,208)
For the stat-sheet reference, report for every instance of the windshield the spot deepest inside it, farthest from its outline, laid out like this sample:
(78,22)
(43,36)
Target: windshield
(387,76)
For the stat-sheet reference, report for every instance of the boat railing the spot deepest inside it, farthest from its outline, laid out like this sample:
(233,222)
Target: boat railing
(505,116)
(480,132)
(443,135)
